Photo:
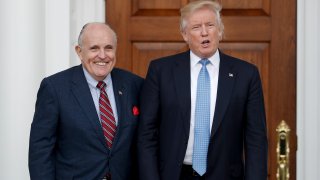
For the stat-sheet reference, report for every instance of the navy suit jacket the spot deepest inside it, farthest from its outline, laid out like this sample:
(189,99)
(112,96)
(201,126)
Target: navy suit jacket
(66,139)
(238,143)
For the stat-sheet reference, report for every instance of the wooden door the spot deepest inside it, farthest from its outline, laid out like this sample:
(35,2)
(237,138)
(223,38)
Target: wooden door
(262,32)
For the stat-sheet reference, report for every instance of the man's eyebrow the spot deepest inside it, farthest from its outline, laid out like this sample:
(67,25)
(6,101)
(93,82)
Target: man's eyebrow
(109,46)
(93,46)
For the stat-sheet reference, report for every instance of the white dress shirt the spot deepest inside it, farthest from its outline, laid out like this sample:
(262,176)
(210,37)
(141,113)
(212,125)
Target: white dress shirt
(213,69)
(95,93)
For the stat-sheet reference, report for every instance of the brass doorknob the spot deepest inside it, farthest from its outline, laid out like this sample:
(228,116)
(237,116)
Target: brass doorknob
(283,150)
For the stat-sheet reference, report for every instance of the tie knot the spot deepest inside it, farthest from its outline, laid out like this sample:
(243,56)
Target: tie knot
(204,62)
(101,85)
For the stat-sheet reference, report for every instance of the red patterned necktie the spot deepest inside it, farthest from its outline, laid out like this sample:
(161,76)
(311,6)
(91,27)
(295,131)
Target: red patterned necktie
(106,115)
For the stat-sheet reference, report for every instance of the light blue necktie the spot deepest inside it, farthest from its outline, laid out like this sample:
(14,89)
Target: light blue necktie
(202,120)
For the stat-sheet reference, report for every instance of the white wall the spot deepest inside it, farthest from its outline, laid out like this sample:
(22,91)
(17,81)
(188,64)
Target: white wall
(57,39)
(36,40)
(308,90)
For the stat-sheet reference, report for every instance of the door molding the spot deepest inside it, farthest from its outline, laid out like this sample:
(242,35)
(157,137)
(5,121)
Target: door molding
(308,88)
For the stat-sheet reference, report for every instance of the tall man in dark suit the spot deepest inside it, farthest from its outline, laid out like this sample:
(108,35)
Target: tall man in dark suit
(203,113)
(86,117)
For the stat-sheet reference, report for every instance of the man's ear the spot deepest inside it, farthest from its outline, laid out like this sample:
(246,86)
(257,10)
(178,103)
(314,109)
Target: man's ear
(78,51)
(220,35)
(184,35)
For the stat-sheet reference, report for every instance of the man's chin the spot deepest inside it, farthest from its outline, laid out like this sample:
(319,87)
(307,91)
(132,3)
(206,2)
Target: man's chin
(208,52)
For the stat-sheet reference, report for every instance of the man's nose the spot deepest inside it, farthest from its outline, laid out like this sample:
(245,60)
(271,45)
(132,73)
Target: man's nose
(204,30)
(102,54)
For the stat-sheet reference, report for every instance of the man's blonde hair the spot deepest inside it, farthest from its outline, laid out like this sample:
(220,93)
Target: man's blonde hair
(187,10)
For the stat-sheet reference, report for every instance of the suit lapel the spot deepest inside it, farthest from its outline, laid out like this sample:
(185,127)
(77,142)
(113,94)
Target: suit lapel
(182,80)
(225,85)
(82,93)
(121,97)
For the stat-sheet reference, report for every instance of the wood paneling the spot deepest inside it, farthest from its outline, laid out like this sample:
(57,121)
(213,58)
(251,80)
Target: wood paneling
(156,28)
(157,4)
(255,53)
(283,77)
(248,28)
(144,52)
(263,5)
(157,7)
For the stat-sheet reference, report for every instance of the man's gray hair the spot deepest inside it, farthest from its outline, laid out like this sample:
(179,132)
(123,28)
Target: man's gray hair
(80,38)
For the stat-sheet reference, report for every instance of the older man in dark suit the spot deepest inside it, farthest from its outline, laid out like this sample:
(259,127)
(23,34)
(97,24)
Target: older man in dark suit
(85,118)
(203,114)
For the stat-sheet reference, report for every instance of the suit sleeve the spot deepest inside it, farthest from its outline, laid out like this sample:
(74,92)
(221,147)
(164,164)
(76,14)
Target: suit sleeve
(148,127)
(43,134)
(256,145)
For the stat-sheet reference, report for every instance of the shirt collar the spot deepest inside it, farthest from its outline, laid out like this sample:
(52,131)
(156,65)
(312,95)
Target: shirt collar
(92,82)
(214,59)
